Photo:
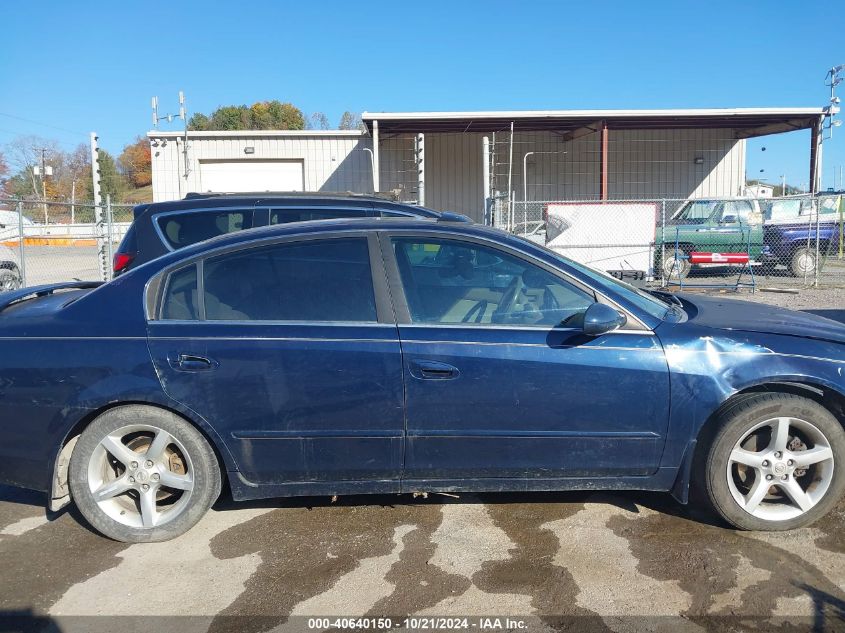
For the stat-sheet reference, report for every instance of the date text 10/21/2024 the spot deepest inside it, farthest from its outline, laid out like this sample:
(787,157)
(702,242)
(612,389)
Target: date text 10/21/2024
(419,623)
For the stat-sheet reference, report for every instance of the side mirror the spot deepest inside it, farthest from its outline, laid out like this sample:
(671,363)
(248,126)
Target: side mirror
(729,219)
(600,319)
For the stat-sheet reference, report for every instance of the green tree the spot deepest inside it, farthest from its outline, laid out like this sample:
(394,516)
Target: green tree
(262,115)
(112,182)
(198,121)
(230,118)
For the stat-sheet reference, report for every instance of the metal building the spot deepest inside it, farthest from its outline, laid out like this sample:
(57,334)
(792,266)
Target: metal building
(460,161)
(259,160)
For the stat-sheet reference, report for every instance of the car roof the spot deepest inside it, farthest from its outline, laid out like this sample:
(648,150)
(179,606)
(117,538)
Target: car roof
(309,198)
(447,224)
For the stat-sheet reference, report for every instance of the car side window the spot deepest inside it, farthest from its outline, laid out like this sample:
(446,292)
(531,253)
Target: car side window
(180,295)
(317,280)
(454,282)
(283,216)
(184,229)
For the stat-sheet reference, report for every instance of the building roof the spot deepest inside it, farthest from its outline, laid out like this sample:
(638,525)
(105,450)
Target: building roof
(746,121)
(251,133)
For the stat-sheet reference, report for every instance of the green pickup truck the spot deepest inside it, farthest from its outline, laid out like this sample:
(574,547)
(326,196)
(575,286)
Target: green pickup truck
(780,231)
(711,226)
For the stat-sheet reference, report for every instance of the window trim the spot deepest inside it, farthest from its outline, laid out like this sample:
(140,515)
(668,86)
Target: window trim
(403,316)
(156,287)
(163,214)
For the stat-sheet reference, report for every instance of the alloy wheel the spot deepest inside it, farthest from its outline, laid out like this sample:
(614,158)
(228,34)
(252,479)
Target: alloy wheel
(780,469)
(141,476)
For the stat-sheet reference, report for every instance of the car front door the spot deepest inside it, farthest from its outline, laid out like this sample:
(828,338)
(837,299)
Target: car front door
(500,380)
(288,351)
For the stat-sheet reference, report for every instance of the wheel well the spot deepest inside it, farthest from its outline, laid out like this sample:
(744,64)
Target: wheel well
(59,489)
(830,399)
(9,266)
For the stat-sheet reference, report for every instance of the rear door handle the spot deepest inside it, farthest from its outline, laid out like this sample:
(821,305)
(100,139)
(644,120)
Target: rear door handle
(192,362)
(433,370)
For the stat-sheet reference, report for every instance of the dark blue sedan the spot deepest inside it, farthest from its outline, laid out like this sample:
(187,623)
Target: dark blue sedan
(390,356)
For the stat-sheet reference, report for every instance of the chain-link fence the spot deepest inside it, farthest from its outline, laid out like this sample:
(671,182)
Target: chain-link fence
(793,241)
(43,241)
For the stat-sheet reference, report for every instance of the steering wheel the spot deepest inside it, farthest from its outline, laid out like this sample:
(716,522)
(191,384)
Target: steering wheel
(509,299)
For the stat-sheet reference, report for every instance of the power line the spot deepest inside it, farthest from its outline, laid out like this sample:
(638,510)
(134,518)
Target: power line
(55,127)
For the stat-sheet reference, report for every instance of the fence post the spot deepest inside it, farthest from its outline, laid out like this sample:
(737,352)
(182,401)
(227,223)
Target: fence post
(21,243)
(109,245)
(662,242)
(818,211)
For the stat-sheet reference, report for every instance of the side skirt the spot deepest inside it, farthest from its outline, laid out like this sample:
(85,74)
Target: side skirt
(661,481)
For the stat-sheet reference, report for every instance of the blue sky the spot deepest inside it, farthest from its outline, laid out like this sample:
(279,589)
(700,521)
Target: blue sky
(94,65)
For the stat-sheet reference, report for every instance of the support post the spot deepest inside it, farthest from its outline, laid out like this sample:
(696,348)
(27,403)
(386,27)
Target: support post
(603,182)
(421,169)
(815,156)
(376,183)
(485,177)
(21,244)
(510,182)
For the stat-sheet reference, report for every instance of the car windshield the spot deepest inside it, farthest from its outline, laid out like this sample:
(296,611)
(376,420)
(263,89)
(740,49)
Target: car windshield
(697,212)
(644,300)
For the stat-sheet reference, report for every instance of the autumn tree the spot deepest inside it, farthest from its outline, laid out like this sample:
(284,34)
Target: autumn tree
(136,164)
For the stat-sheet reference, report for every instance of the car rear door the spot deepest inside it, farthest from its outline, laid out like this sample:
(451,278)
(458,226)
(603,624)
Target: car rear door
(290,351)
(500,379)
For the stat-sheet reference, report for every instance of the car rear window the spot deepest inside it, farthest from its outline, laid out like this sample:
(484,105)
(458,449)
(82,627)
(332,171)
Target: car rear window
(183,229)
(180,296)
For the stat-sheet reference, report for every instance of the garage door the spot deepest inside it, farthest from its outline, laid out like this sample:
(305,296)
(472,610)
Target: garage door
(252,175)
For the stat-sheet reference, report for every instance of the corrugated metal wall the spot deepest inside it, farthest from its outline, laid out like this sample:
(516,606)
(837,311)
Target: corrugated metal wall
(641,164)
(332,163)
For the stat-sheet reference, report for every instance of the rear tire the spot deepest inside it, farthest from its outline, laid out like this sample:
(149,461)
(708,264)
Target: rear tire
(10,279)
(776,463)
(673,267)
(140,474)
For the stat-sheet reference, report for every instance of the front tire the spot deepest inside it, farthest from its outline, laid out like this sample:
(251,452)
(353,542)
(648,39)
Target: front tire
(141,474)
(803,262)
(776,463)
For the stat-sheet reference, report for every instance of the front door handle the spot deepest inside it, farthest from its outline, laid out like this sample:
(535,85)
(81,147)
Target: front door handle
(192,362)
(433,370)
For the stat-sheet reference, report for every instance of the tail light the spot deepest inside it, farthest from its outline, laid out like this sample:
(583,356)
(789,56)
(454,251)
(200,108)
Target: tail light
(121,261)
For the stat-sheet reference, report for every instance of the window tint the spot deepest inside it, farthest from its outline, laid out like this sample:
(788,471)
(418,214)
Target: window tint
(180,297)
(325,280)
(283,216)
(448,281)
(184,229)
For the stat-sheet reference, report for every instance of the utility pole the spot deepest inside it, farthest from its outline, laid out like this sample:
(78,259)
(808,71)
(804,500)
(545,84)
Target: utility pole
(43,171)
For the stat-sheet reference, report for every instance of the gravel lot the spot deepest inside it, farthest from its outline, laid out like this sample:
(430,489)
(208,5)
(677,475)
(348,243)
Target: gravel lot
(576,561)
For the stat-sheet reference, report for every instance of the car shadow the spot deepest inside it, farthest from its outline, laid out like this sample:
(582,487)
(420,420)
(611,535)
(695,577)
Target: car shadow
(627,500)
